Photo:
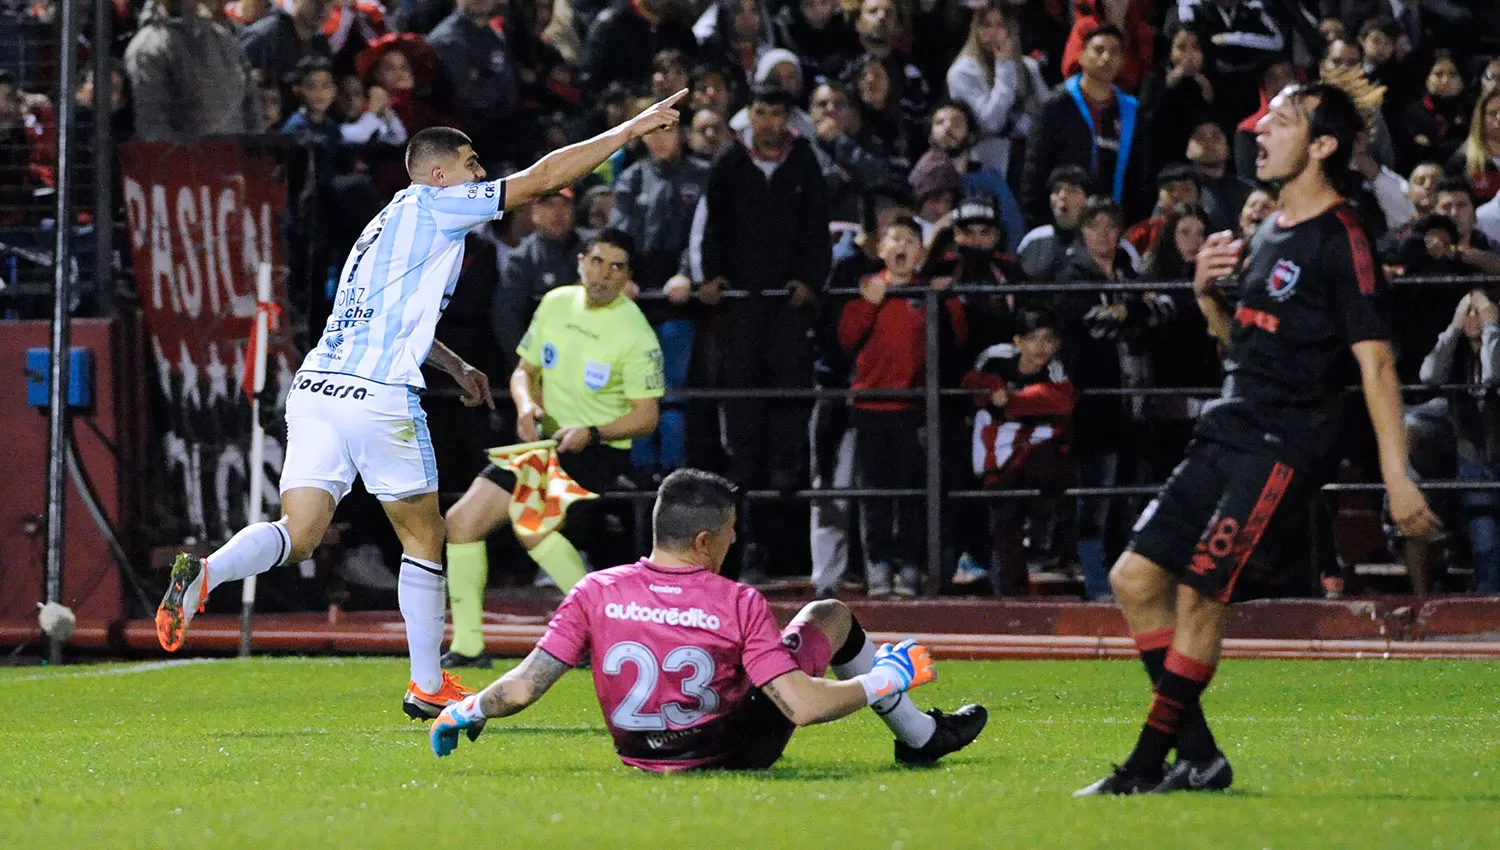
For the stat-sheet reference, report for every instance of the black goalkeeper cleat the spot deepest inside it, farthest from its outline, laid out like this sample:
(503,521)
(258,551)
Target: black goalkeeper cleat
(454,659)
(954,732)
(1121,783)
(1214,774)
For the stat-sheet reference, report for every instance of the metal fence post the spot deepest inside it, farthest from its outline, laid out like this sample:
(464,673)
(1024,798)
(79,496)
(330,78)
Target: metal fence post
(934,484)
(62,296)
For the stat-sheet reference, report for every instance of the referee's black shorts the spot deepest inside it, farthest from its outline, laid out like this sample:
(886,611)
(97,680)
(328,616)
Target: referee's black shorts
(1221,506)
(597,468)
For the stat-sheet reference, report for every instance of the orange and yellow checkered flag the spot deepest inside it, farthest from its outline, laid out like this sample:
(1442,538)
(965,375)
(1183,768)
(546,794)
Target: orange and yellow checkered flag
(543,490)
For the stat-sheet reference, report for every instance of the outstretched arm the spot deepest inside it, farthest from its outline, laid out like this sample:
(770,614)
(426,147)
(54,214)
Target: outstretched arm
(522,685)
(565,165)
(805,700)
(505,696)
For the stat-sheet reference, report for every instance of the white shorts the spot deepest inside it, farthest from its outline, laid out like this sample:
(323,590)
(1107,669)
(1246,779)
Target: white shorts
(339,426)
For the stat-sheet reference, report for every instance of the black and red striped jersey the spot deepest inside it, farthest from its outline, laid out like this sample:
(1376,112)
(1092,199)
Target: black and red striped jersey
(1039,409)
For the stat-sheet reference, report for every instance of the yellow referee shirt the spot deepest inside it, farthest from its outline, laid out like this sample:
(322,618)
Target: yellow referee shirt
(593,361)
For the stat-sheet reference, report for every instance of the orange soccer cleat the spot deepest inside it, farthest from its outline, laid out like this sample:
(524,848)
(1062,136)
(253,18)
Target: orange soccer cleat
(189,582)
(420,705)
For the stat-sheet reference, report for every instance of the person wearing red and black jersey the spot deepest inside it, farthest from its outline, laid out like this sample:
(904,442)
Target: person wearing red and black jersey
(1309,292)
(1020,436)
(886,334)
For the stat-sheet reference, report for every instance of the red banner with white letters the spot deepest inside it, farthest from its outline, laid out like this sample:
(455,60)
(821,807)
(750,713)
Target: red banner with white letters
(202,219)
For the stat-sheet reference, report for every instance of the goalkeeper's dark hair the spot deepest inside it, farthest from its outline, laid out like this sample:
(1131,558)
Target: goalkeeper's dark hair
(434,142)
(688,503)
(1333,115)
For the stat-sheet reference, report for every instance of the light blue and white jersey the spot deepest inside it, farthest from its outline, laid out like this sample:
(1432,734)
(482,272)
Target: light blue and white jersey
(397,282)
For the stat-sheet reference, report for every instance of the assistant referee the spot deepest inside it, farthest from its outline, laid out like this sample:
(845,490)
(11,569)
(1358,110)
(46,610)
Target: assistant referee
(589,377)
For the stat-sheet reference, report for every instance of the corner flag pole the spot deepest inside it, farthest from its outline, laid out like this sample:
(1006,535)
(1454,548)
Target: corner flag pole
(255,510)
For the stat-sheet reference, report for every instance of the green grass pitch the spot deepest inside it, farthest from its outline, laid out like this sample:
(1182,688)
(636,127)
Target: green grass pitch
(315,753)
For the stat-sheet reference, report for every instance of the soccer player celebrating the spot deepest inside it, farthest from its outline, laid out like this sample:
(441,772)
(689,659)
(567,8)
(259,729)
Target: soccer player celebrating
(688,665)
(1308,290)
(593,360)
(354,407)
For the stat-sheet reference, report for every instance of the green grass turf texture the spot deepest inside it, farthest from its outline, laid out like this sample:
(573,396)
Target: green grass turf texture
(315,753)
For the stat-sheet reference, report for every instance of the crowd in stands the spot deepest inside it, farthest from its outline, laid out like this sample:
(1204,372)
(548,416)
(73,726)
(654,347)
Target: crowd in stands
(875,145)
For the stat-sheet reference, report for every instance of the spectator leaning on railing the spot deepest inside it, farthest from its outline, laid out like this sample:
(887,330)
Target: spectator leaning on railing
(1468,352)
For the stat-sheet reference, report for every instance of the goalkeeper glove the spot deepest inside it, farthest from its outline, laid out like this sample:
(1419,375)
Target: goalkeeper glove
(463,715)
(898,669)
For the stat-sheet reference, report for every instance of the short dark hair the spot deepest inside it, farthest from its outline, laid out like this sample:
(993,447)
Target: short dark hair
(962,108)
(1379,23)
(307,66)
(1034,317)
(1072,175)
(1098,205)
(1176,173)
(688,503)
(1335,116)
(771,94)
(614,237)
(1432,221)
(1107,30)
(1455,183)
(434,142)
(7,78)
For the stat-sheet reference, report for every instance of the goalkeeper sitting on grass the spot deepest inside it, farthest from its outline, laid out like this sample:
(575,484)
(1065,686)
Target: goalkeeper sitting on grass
(690,669)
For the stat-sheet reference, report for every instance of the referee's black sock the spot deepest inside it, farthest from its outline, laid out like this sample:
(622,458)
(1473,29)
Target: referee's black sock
(1181,684)
(1195,741)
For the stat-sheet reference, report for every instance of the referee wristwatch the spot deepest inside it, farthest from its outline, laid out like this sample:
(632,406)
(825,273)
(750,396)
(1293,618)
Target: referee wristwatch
(594,437)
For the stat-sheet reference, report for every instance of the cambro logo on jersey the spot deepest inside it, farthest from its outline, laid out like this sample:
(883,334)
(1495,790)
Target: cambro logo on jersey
(692,618)
(333,389)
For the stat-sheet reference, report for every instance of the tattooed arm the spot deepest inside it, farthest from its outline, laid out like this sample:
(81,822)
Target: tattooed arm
(805,700)
(521,686)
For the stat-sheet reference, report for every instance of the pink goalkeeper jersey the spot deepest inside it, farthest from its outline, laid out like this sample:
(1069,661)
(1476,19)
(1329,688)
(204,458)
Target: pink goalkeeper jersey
(674,653)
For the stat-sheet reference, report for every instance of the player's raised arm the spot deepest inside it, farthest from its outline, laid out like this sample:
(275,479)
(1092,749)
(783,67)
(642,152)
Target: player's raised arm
(805,700)
(565,165)
(513,692)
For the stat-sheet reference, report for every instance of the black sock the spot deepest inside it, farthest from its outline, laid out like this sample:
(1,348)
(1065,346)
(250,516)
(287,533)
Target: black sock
(853,643)
(1195,741)
(1177,691)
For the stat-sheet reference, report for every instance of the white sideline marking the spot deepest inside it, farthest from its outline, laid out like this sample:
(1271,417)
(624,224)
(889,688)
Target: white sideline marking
(148,667)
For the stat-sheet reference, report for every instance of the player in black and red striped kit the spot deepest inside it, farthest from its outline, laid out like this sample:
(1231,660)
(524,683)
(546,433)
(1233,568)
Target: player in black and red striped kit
(1309,293)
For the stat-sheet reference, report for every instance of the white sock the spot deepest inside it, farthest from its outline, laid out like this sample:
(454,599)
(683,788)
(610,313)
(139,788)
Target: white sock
(256,549)
(898,711)
(423,595)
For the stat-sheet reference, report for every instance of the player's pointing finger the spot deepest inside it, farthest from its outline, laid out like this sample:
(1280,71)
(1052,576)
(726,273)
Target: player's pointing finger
(672,100)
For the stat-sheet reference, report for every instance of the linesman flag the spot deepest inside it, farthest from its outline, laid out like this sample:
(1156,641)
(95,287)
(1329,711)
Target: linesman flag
(543,490)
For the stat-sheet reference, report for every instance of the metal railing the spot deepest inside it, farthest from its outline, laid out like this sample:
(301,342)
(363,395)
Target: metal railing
(931,394)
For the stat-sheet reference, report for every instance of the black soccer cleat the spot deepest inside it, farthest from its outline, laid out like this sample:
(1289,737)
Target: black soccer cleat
(1215,774)
(455,659)
(1121,783)
(954,732)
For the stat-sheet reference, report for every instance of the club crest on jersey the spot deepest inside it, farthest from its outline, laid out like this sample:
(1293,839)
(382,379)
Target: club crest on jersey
(549,356)
(1283,281)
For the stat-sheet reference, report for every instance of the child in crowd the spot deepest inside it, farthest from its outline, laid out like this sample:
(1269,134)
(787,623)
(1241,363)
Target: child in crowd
(887,337)
(1021,439)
